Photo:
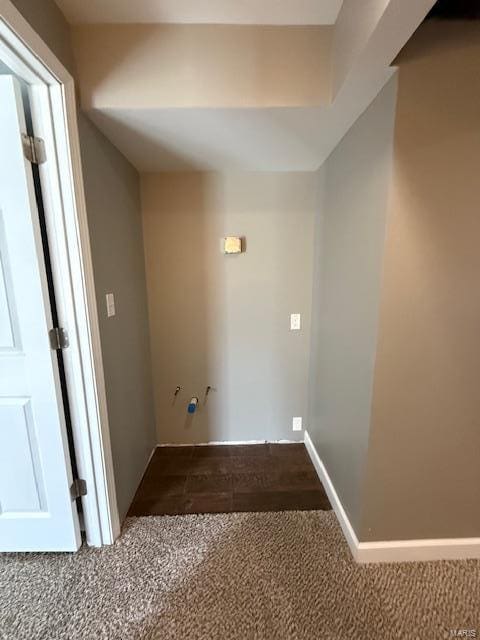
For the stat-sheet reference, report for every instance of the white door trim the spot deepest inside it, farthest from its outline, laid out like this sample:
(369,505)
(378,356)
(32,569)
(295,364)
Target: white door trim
(391,550)
(54,113)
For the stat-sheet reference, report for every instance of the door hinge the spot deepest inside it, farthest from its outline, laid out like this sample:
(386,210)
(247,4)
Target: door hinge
(33,149)
(78,488)
(58,338)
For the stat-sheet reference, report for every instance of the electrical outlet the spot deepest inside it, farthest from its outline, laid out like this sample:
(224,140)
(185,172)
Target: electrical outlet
(110,305)
(297,424)
(295,322)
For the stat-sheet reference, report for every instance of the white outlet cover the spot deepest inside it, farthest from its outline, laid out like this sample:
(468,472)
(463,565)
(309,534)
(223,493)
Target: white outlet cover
(110,305)
(295,322)
(297,424)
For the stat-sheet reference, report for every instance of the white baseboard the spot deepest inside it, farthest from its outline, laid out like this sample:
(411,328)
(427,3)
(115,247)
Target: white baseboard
(391,550)
(342,517)
(227,442)
(419,550)
(150,457)
(147,465)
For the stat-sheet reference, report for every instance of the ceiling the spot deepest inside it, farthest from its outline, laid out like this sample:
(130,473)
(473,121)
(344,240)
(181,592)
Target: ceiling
(267,12)
(156,134)
(219,139)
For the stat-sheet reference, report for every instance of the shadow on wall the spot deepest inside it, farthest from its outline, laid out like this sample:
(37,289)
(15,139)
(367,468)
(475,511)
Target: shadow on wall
(222,321)
(450,45)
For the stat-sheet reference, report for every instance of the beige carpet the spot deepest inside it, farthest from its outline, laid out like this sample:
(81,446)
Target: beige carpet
(247,576)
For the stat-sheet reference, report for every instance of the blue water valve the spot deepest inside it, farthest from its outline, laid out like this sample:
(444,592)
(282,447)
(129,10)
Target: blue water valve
(192,406)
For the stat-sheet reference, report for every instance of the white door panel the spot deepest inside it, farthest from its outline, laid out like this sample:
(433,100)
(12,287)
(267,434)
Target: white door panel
(36,509)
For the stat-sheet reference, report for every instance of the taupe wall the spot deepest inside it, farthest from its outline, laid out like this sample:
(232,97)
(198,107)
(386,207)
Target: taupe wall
(48,21)
(349,246)
(423,476)
(224,320)
(190,65)
(113,207)
(394,405)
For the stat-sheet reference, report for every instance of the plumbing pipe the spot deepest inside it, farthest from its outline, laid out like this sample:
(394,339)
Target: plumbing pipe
(192,405)
(207,391)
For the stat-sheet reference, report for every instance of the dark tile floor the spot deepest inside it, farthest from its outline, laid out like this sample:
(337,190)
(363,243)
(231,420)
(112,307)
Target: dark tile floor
(225,478)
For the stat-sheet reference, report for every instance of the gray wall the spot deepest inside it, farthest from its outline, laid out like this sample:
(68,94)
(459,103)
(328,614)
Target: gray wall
(223,320)
(113,204)
(349,248)
(113,207)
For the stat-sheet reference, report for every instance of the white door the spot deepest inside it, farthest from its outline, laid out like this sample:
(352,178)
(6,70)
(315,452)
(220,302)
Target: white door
(36,509)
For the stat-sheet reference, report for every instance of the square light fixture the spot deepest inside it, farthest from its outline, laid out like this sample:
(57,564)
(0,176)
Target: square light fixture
(232,245)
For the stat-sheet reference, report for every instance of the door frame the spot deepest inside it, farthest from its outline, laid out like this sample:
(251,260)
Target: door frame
(54,114)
